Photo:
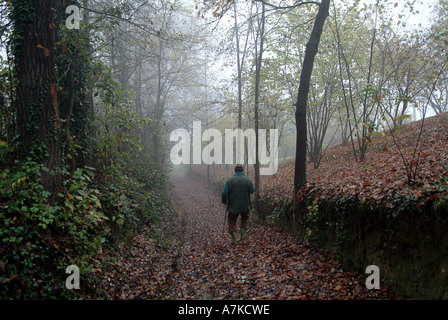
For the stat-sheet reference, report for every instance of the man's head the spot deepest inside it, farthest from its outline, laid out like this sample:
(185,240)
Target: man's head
(239,168)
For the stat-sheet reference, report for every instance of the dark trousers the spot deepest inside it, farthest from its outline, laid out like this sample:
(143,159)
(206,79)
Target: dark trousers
(232,219)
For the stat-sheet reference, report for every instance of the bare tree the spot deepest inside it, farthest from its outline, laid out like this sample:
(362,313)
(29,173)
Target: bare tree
(302,98)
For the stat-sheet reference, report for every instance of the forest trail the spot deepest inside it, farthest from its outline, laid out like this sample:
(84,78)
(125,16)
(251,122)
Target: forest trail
(201,263)
(269,265)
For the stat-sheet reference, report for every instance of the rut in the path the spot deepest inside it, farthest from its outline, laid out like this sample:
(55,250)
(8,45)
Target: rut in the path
(192,259)
(269,265)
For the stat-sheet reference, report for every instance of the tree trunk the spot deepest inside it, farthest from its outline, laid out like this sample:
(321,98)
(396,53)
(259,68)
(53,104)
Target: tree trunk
(158,110)
(302,98)
(70,151)
(238,61)
(257,96)
(37,103)
(91,128)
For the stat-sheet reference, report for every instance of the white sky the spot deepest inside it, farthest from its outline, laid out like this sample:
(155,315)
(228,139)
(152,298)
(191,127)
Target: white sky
(397,7)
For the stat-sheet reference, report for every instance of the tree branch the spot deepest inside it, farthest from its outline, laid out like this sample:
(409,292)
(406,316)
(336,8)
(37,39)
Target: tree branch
(297,4)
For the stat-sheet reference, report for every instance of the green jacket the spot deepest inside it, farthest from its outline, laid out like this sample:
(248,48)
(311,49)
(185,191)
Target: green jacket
(237,192)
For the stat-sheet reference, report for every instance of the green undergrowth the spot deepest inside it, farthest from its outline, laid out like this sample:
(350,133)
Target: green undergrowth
(41,234)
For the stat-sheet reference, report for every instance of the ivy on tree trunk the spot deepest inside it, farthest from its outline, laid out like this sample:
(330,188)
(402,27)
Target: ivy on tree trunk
(37,103)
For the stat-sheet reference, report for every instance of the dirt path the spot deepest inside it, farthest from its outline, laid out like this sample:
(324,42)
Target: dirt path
(191,259)
(269,265)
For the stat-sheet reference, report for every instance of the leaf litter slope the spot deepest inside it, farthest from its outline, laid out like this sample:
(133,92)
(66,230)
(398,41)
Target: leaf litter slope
(268,265)
(382,177)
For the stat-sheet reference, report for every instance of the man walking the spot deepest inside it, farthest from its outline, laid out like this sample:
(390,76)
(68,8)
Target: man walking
(236,195)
